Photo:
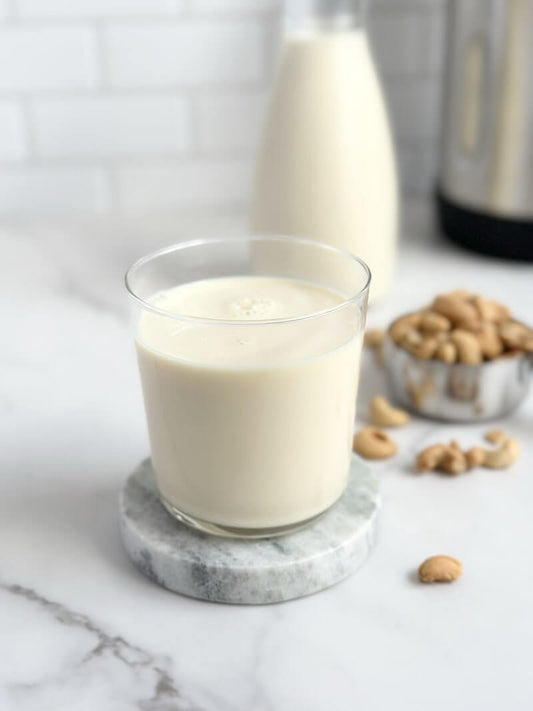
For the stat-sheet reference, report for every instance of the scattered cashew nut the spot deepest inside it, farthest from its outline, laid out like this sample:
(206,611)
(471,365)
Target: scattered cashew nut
(503,457)
(495,436)
(475,457)
(430,458)
(373,443)
(383,414)
(453,461)
(440,569)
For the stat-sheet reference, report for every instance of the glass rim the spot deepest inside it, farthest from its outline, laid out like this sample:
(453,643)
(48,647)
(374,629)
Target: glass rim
(188,244)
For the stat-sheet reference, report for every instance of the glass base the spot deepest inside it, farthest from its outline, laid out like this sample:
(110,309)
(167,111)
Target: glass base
(230,532)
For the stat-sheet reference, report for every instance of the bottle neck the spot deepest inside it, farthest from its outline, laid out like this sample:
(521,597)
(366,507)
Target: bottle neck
(324,15)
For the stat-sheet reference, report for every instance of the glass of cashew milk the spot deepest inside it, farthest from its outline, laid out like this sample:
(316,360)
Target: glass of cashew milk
(249,352)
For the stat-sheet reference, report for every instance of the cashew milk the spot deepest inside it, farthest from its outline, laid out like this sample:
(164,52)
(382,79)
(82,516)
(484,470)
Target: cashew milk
(250,424)
(326,166)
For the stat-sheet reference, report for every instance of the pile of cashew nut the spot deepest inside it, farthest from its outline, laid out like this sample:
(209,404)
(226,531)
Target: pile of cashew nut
(451,459)
(459,327)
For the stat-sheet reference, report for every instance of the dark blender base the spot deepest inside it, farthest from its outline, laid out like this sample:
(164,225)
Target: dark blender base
(496,236)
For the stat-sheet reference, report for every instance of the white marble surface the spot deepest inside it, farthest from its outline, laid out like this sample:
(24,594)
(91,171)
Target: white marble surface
(81,629)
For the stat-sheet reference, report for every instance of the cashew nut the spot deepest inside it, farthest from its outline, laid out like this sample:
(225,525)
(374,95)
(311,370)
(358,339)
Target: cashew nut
(503,457)
(468,347)
(515,334)
(446,352)
(495,436)
(453,461)
(475,457)
(454,308)
(402,325)
(489,341)
(383,414)
(491,310)
(434,323)
(472,325)
(461,294)
(373,443)
(440,569)
(374,338)
(419,346)
(430,458)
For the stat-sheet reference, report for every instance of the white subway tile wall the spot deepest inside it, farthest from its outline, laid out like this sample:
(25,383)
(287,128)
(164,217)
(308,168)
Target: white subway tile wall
(147,105)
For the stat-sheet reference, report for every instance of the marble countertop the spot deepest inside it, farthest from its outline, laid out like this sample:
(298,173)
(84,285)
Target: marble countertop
(81,629)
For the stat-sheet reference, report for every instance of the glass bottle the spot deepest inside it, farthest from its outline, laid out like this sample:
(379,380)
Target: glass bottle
(326,167)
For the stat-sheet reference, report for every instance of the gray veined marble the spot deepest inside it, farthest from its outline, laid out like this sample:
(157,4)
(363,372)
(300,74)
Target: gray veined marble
(249,571)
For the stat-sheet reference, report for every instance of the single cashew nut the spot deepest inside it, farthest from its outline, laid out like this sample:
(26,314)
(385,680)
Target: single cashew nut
(475,457)
(419,346)
(455,309)
(496,436)
(491,310)
(432,322)
(402,325)
(472,325)
(468,348)
(514,334)
(453,461)
(430,458)
(440,569)
(446,352)
(373,443)
(427,348)
(490,342)
(374,338)
(461,294)
(383,414)
(411,339)
(503,457)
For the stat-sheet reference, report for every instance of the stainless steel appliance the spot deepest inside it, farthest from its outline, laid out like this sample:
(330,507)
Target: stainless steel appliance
(485,194)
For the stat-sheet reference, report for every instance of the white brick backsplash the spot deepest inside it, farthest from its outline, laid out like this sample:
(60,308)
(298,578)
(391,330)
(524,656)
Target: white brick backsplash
(157,104)
(195,184)
(415,109)
(187,54)
(400,42)
(110,127)
(45,58)
(226,123)
(91,8)
(52,190)
(12,134)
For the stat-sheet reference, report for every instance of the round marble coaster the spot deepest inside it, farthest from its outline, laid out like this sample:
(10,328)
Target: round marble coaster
(248,571)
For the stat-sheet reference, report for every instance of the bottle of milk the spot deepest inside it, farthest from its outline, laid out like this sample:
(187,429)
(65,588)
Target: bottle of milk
(326,167)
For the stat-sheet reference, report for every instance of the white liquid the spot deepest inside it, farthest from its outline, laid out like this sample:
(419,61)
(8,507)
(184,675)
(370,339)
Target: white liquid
(250,425)
(326,167)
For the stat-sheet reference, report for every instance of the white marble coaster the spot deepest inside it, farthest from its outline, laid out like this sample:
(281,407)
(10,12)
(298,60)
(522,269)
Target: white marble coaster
(251,571)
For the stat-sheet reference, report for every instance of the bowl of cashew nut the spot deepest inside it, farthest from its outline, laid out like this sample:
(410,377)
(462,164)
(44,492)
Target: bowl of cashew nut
(463,358)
